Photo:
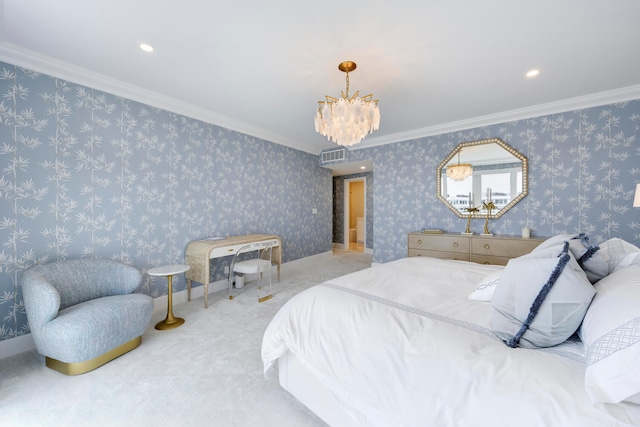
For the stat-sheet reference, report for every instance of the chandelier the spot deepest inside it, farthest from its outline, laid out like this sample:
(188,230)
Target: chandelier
(347,120)
(459,172)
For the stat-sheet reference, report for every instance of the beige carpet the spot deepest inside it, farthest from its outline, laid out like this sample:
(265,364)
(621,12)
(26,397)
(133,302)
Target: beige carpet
(207,372)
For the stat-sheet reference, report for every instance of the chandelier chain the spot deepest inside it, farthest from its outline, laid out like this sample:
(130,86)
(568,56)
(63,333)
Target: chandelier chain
(346,95)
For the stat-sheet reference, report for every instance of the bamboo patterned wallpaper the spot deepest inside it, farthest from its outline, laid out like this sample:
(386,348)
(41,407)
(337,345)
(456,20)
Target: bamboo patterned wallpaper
(88,174)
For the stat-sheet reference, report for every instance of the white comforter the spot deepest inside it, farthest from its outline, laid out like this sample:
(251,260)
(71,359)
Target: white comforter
(404,346)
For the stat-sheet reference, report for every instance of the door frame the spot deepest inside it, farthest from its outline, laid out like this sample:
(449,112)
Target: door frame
(347,187)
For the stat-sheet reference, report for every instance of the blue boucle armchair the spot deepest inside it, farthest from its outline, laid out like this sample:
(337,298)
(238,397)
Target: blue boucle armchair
(83,312)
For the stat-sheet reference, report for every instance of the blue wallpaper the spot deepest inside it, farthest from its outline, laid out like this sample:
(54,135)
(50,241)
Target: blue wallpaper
(88,174)
(84,173)
(583,169)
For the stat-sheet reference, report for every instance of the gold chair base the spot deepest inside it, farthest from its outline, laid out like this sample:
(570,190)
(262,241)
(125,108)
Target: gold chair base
(78,368)
(263,299)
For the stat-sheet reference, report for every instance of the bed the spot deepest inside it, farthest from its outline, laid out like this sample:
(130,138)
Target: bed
(403,344)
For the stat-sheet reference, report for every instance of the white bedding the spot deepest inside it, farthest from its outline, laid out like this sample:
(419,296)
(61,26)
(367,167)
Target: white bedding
(403,344)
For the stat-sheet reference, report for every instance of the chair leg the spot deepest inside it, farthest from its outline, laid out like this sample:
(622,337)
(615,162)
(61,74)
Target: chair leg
(266,297)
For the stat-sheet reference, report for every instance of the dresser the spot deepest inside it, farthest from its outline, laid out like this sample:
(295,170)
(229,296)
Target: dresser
(477,248)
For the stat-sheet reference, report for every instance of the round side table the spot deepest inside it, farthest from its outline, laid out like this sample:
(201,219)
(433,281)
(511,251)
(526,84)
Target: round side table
(169,271)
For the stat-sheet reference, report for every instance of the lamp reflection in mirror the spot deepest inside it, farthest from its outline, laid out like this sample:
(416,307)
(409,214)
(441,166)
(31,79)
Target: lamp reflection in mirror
(347,120)
(459,172)
(636,200)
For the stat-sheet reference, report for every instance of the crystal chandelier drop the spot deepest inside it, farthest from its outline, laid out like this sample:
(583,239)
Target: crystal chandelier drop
(347,120)
(459,172)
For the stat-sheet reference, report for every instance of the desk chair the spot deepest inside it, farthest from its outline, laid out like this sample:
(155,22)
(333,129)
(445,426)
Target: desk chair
(254,258)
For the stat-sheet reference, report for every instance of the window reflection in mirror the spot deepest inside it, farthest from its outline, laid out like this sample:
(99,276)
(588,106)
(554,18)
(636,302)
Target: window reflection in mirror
(499,176)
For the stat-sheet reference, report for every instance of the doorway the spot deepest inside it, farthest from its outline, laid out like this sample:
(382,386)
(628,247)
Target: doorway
(355,234)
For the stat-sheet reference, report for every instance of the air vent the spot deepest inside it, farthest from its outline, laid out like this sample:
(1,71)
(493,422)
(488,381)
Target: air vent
(333,155)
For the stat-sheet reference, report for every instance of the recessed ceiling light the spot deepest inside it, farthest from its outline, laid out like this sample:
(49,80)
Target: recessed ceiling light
(146,47)
(363,167)
(533,73)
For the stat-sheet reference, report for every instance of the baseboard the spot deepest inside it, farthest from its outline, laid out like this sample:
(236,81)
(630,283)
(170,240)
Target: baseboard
(23,343)
(16,345)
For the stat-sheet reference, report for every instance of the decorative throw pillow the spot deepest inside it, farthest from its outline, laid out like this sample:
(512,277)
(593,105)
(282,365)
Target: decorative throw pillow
(588,256)
(542,298)
(611,334)
(487,286)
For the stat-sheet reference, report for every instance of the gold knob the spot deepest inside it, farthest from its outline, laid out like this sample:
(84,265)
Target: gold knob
(419,242)
(486,246)
(455,244)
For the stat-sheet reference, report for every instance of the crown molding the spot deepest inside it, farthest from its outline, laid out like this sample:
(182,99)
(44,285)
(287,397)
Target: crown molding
(629,93)
(16,55)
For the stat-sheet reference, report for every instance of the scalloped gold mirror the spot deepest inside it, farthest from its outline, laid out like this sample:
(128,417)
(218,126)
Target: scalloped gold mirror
(498,174)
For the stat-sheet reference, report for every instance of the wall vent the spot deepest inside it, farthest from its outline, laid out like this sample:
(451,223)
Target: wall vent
(333,155)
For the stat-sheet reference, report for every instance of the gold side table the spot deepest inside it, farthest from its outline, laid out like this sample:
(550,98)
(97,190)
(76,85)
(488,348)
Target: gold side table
(169,271)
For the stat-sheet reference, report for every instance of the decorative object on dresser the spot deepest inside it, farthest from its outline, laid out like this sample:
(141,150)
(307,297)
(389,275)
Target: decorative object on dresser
(495,165)
(496,249)
(470,211)
(488,206)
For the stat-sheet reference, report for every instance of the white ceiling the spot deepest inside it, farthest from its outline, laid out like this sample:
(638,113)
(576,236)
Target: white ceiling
(259,67)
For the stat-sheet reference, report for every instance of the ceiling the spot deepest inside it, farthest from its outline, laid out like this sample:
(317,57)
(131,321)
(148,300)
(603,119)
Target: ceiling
(259,67)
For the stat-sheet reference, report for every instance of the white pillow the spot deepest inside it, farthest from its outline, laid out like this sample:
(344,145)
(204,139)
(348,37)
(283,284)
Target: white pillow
(611,334)
(487,286)
(559,314)
(618,253)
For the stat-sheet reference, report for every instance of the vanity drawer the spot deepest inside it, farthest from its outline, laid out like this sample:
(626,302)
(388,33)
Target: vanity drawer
(497,247)
(439,243)
(489,259)
(439,254)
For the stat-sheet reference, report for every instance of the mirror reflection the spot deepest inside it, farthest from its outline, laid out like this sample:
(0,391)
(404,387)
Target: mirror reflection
(477,173)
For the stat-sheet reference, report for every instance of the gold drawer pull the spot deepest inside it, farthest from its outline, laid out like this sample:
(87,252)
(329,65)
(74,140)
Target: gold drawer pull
(486,263)
(419,242)
(487,246)
(455,244)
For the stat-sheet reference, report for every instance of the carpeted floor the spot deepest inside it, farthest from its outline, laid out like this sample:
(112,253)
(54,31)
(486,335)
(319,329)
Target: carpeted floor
(207,372)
